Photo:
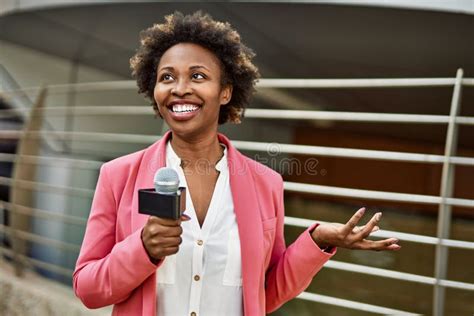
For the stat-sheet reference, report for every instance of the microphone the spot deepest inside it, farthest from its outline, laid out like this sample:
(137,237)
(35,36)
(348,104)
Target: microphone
(166,181)
(167,199)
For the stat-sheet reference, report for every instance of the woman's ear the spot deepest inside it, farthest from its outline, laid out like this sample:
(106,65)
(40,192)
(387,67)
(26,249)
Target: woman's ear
(226,94)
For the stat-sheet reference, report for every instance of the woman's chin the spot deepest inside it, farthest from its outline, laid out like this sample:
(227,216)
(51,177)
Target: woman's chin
(192,132)
(184,129)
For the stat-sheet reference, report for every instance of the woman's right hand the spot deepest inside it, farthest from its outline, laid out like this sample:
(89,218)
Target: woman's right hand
(162,236)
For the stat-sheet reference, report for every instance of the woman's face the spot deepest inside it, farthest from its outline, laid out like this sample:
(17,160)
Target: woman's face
(188,89)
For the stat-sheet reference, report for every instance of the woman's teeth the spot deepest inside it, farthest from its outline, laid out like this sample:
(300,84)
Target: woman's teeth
(180,108)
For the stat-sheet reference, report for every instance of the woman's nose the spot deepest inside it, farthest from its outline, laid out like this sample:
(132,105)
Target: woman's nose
(181,87)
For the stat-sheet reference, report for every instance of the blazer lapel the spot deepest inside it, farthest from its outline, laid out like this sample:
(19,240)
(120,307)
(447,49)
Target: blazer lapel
(247,212)
(153,159)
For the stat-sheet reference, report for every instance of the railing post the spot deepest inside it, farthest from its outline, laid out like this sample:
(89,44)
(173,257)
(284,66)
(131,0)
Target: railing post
(446,191)
(26,146)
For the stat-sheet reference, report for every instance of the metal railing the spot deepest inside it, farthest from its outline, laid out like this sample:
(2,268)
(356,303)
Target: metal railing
(444,200)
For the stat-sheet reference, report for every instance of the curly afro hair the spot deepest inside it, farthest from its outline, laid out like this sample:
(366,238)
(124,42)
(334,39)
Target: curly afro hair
(218,37)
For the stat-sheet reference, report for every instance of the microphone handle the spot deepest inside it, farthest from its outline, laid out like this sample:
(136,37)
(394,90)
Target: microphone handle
(162,205)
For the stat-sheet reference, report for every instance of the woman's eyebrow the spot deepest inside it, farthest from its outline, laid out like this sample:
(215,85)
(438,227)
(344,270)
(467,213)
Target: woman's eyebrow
(191,68)
(198,66)
(166,68)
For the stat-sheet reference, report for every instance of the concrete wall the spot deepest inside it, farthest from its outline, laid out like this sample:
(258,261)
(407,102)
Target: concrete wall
(465,6)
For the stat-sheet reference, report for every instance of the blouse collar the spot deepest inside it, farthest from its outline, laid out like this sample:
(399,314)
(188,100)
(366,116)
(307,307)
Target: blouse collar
(175,161)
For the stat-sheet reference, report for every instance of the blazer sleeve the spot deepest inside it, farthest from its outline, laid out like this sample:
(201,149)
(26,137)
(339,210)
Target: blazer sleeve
(108,271)
(291,269)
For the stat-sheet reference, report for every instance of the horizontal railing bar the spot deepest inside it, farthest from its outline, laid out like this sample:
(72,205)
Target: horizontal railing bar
(467,81)
(356,83)
(466,161)
(13,113)
(257,113)
(374,195)
(39,213)
(330,264)
(294,221)
(44,187)
(83,136)
(80,87)
(305,295)
(94,164)
(349,152)
(351,267)
(35,238)
(88,110)
(6,250)
(39,263)
(51,160)
(354,116)
(266,83)
(304,223)
(50,267)
(463,120)
(256,146)
(329,300)
(289,186)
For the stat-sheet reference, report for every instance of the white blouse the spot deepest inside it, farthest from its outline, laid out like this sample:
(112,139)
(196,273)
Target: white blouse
(205,276)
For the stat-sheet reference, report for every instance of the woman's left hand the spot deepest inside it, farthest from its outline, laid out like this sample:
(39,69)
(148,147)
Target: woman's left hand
(352,236)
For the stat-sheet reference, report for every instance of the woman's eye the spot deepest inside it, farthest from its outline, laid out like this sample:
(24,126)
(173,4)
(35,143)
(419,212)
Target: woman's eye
(198,76)
(166,77)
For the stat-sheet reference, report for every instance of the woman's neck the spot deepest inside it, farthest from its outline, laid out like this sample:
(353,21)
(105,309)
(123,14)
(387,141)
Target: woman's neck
(201,149)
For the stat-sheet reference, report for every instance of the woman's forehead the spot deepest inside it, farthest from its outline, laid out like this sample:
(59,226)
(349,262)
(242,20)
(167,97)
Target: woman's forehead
(187,55)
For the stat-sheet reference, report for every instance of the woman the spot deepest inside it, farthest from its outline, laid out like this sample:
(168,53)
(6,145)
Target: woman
(227,255)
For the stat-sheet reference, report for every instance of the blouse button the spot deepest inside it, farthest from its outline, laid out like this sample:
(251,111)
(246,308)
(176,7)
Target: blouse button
(193,314)
(200,242)
(197,277)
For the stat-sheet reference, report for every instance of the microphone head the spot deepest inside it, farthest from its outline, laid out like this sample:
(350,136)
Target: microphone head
(166,181)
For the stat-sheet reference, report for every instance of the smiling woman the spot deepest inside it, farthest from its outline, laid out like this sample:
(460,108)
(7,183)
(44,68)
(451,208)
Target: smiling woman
(188,91)
(227,255)
(233,57)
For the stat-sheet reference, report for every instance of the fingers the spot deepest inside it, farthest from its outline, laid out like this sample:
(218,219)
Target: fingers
(369,227)
(352,236)
(164,221)
(162,236)
(168,221)
(379,245)
(160,253)
(169,251)
(166,242)
(165,231)
(358,229)
(352,223)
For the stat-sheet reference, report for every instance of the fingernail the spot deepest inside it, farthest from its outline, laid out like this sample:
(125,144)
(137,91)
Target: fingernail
(362,210)
(395,241)
(187,218)
(378,216)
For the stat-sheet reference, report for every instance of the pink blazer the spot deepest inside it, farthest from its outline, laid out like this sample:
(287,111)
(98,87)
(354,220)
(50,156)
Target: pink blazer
(113,266)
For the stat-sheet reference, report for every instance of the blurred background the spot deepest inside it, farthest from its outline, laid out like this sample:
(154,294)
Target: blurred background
(361,103)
